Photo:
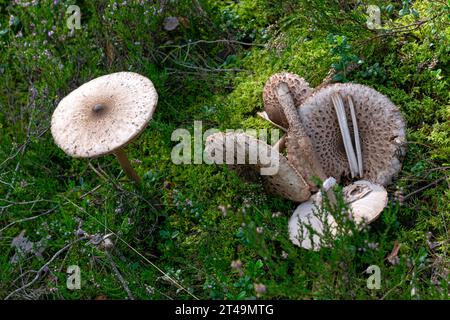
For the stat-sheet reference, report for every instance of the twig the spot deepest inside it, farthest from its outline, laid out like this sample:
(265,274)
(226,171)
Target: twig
(135,251)
(119,276)
(22,147)
(212,42)
(400,29)
(41,270)
(29,218)
(425,187)
(46,212)
(206,69)
(13,203)
(96,171)
(91,191)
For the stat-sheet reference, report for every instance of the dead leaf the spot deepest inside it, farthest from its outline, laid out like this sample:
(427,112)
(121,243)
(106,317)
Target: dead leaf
(25,247)
(184,21)
(110,53)
(393,256)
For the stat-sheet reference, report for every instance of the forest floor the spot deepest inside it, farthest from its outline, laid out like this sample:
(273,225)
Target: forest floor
(198,231)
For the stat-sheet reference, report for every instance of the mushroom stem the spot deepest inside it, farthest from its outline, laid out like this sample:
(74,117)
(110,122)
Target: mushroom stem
(327,186)
(345,132)
(356,134)
(300,148)
(126,166)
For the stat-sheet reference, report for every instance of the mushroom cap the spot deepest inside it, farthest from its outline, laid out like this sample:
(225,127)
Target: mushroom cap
(286,182)
(298,87)
(308,216)
(381,130)
(103,114)
(366,200)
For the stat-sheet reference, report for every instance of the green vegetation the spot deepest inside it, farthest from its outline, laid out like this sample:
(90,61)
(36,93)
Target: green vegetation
(216,236)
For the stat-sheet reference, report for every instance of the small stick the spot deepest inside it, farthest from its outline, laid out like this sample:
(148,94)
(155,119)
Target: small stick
(125,164)
(41,270)
(119,276)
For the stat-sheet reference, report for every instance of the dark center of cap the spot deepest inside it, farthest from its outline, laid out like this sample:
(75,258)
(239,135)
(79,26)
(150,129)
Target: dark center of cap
(99,109)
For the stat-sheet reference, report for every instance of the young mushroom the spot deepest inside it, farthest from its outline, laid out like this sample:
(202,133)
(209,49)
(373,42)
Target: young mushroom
(309,216)
(103,115)
(251,156)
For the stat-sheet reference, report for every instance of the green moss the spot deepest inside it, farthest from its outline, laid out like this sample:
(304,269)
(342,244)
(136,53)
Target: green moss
(192,221)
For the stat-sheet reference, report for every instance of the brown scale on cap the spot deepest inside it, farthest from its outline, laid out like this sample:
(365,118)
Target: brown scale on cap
(381,129)
(298,88)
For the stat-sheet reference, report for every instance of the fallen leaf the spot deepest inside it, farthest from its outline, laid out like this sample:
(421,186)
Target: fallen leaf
(393,256)
(110,53)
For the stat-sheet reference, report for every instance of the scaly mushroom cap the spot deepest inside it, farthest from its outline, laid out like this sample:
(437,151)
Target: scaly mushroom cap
(103,114)
(381,129)
(254,155)
(298,87)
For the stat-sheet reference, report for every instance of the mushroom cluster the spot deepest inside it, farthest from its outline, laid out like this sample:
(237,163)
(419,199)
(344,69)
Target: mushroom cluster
(340,133)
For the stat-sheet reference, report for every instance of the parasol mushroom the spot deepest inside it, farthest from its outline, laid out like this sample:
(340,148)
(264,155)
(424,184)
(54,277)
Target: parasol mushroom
(298,87)
(301,153)
(273,112)
(381,132)
(250,156)
(103,115)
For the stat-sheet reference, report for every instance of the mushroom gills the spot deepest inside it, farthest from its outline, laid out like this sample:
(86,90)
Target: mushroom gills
(301,153)
(339,107)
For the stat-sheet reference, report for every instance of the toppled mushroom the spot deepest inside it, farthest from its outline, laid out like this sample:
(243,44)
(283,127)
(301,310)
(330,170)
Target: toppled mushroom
(250,155)
(381,131)
(298,87)
(103,115)
(301,153)
(365,202)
